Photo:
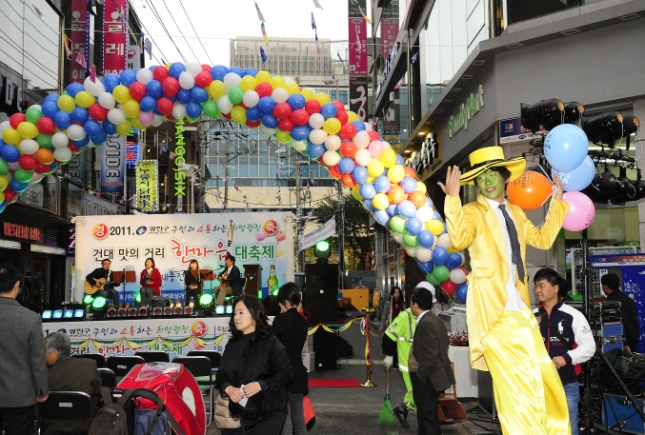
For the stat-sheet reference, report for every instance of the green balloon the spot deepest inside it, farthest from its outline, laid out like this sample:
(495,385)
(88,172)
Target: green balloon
(441,273)
(4,167)
(33,115)
(431,279)
(210,109)
(397,223)
(235,94)
(410,240)
(22,175)
(44,140)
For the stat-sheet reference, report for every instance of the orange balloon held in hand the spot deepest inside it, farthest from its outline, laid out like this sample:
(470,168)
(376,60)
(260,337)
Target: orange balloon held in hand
(417,198)
(530,191)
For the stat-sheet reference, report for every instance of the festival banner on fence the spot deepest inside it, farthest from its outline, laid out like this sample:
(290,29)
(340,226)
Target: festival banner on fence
(173,240)
(79,37)
(115,36)
(321,233)
(147,185)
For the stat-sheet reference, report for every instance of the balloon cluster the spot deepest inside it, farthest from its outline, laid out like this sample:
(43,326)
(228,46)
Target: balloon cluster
(445,269)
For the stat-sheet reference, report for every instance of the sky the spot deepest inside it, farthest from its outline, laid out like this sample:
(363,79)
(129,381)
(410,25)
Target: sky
(215,22)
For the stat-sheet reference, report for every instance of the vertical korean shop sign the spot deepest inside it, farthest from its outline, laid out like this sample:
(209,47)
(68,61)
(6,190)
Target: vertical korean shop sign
(357,27)
(113,165)
(358,96)
(147,190)
(115,35)
(79,37)
(179,162)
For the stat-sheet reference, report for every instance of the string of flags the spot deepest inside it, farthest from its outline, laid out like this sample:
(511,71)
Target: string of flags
(263,55)
(264,34)
(257,8)
(316,4)
(341,59)
(365,17)
(315,28)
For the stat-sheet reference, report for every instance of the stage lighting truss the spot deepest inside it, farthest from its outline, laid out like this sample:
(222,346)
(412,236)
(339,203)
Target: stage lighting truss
(610,127)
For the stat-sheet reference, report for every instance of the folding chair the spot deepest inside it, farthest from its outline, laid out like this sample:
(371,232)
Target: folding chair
(121,365)
(100,359)
(66,405)
(149,356)
(108,378)
(200,366)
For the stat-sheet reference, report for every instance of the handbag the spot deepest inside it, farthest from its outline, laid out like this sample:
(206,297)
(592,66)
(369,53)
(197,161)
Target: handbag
(223,417)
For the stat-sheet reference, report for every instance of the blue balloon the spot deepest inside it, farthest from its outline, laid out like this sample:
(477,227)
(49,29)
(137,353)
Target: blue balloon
(79,115)
(237,70)
(381,217)
(53,167)
(218,72)
(101,137)
(199,94)
(183,96)
(462,292)
(296,101)
(49,108)
(400,160)
(346,165)
(3,206)
(359,173)
(147,104)
(110,81)
(194,110)
(298,132)
(254,114)
(414,226)
(382,184)
(82,143)
(10,153)
(367,191)
(437,216)
(360,126)
(127,77)
(154,88)
(426,267)
(328,111)
(108,127)
(392,210)
(2,144)
(96,140)
(439,255)
(266,104)
(429,202)
(74,88)
(454,260)
(407,209)
(578,178)
(17,186)
(51,98)
(250,72)
(314,151)
(408,184)
(176,69)
(426,239)
(565,147)
(270,121)
(92,128)
(367,203)
(62,119)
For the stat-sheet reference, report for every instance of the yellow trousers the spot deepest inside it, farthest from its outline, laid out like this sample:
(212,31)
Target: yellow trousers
(529,395)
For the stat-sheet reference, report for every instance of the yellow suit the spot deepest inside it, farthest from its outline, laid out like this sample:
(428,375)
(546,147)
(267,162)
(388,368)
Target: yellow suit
(475,226)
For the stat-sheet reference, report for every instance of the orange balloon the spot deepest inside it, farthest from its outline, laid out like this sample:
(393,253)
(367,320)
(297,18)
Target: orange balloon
(409,172)
(396,194)
(417,198)
(530,191)
(44,156)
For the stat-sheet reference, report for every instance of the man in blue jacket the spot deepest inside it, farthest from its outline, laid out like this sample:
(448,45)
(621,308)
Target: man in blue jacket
(566,333)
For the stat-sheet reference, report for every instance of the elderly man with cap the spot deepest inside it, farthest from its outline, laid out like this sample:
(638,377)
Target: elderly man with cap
(398,338)
(504,336)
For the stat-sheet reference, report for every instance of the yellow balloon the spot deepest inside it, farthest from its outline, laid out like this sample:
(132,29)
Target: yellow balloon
(323,98)
(263,76)
(308,94)
(84,99)
(137,124)
(11,136)
(388,158)
(375,168)
(1,197)
(292,88)
(217,88)
(66,103)
(352,116)
(4,182)
(27,130)
(121,94)
(168,65)
(452,250)
(331,126)
(396,173)
(131,109)
(421,187)
(370,180)
(248,83)
(283,136)
(238,115)
(277,82)
(356,192)
(434,226)
(380,201)
(124,129)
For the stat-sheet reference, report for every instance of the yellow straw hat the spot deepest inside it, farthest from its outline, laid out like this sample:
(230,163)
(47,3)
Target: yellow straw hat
(492,157)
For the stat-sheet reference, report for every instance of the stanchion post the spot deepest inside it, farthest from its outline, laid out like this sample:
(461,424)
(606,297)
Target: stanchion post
(368,382)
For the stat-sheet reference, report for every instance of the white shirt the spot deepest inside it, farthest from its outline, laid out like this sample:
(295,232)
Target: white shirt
(420,316)
(228,271)
(514,301)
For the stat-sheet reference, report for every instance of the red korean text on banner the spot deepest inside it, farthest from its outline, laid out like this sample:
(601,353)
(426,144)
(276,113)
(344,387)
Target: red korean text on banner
(115,36)
(79,40)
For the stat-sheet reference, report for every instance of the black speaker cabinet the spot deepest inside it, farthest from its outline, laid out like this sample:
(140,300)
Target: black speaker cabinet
(325,344)
(321,280)
(323,310)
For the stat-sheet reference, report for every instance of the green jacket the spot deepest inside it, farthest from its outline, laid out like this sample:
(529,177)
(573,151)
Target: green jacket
(402,331)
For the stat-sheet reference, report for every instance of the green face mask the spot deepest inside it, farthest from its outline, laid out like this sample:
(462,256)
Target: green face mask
(491,184)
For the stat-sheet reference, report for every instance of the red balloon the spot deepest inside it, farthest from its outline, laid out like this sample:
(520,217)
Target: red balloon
(348,149)
(165,106)
(226,115)
(252,124)
(170,86)
(373,136)
(72,146)
(347,131)
(340,107)
(312,106)
(10,196)
(206,68)
(16,119)
(334,171)
(42,169)
(463,269)
(138,91)
(27,162)
(96,112)
(160,73)
(282,110)
(300,117)
(172,118)
(264,89)
(203,79)
(343,117)
(409,172)
(449,287)
(240,105)
(46,125)
(417,198)
(348,180)
(285,124)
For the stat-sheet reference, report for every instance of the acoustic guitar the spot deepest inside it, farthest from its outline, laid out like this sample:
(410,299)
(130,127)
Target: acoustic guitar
(99,284)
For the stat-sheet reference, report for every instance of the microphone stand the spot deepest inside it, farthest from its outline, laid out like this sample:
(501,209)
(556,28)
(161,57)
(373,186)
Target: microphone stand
(123,282)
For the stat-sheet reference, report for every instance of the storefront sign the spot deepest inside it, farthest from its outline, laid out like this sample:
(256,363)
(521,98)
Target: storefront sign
(389,64)
(133,55)
(94,206)
(115,36)
(358,96)
(322,233)
(147,185)
(180,161)
(113,165)
(467,110)
(131,154)
(79,37)
(11,98)
(389,33)
(511,130)
(22,232)
(357,27)
(425,157)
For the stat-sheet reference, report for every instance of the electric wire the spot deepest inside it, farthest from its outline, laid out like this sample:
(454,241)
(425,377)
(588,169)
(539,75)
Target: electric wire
(182,33)
(195,31)
(158,17)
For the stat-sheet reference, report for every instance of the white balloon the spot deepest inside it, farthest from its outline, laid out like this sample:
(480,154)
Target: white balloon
(60,140)
(368,127)
(95,88)
(4,126)
(317,137)
(116,116)
(280,95)
(144,76)
(76,132)
(332,143)
(63,155)
(386,145)
(29,146)
(463,259)
(363,157)
(331,158)
(157,121)
(423,254)
(186,80)
(361,140)
(106,100)
(9,176)
(193,69)
(179,111)
(425,214)
(398,238)
(231,80)
(412,252)
(288,79)
(444,240)
(316,120)
(298,145)
(250,99)
(266,130)
(457,276)
(224,104)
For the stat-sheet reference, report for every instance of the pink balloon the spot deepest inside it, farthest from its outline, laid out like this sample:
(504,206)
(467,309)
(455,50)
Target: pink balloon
(146,118)
(36,179)
(375,148)
(13,166)
(582,211)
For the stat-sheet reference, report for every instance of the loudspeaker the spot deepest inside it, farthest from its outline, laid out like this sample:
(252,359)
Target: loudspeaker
(159,301)
(321,280)
(322,310)
(325,344)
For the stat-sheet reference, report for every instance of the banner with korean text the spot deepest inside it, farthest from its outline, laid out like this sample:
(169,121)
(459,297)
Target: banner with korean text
(321,233)
(357,28)
(115,36)
(79,40)
(147,185)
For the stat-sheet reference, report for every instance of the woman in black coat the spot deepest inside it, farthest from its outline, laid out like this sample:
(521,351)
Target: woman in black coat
(255,370)
(291,329)
(193,283)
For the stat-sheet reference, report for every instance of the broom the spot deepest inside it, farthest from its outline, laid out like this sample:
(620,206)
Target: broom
(387,420)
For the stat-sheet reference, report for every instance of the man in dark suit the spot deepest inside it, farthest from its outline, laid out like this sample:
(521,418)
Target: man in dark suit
(108,291)
(23,370)
(233,280)
(611,287)
(430,368)
(69,374)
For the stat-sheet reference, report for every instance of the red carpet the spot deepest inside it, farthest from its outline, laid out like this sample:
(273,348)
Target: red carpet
(334,383)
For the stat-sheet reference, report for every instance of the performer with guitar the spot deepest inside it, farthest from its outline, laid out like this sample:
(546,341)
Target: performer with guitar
(100,283)
(230,281)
